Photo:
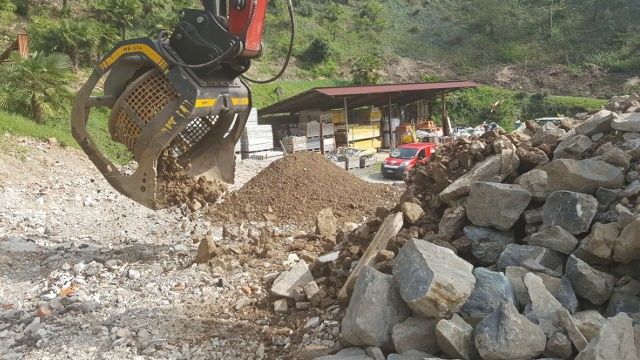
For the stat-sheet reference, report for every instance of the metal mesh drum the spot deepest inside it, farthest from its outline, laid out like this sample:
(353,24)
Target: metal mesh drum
(141,101)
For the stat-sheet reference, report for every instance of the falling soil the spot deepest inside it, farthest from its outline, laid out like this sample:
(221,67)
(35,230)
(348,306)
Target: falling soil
(295,188)
(175,187)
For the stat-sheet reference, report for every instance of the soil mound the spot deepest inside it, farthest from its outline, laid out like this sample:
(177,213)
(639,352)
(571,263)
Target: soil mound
(295,188)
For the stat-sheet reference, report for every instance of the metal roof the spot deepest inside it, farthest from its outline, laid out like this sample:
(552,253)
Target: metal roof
(327,98)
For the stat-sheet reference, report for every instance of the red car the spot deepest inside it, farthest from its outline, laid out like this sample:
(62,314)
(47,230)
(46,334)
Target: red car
(405,158)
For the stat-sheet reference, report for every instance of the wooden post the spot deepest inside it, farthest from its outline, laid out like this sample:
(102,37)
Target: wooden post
(23,45)
(346,118)
(446,128)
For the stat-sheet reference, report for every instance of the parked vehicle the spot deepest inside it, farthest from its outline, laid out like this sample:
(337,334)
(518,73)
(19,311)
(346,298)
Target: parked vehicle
(405,158)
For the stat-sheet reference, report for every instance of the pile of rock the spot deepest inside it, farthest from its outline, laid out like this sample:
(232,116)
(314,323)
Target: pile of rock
(514,246)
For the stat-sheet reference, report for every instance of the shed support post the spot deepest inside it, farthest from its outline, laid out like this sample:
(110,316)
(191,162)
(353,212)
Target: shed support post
(392,138)
(446,127)
(346,119)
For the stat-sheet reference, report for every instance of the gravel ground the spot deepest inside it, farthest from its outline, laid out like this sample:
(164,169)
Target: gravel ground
(85,273)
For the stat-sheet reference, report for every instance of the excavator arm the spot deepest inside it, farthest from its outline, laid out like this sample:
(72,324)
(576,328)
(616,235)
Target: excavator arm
(180,95)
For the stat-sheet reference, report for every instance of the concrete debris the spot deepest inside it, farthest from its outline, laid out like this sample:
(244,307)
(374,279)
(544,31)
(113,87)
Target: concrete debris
(433,281)
(289,283)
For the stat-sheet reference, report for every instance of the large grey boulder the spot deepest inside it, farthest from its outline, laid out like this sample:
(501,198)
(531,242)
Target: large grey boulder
(615,341)
(534,258)
(629,122)
(495,204)
(627,245)
(572,211)
(452,222)
(487,244)
(584,176)
(597,247)
(589,283)
(507,335)
(375,308)
(543,307)
(535,181)
(614,156)
(495,169)
(555,238)
(589,323)
(433,280)
(289,283)
(415,334)
(598,123)
(572,147)
(492,289)
(455,338)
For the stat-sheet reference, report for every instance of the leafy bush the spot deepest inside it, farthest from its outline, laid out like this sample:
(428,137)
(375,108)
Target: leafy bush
(317,52)
(82,40)
(367,70)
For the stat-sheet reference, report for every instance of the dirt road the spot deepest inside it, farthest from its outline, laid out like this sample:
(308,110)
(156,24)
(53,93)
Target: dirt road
(86,273)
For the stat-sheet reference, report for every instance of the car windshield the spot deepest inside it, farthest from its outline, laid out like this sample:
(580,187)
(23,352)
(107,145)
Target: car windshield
(403,153)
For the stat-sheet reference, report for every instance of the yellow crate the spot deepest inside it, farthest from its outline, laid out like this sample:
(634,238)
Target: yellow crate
(367,144)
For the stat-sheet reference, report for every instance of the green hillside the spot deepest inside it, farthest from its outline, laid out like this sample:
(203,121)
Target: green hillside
(530,54)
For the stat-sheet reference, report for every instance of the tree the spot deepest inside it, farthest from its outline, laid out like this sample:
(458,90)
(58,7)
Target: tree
(366,70)
(122,14)
(80,39)
(36,86)
(331,14)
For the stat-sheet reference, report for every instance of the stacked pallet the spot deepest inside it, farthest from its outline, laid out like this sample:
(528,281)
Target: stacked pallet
(294,144)
(255,137)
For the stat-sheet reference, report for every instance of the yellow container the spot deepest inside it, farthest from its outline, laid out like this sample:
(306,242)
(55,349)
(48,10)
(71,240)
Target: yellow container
(367,144)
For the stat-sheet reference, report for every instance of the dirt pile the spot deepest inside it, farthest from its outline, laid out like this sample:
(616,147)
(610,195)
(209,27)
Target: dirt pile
(175,187)
(295,188)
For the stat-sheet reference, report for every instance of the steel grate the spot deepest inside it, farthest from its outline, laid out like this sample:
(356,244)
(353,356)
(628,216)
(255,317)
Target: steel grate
(192,134)
(145,98)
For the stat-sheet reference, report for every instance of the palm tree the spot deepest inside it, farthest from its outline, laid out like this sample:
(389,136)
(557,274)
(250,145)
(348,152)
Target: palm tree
(36,86)
(77,38)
